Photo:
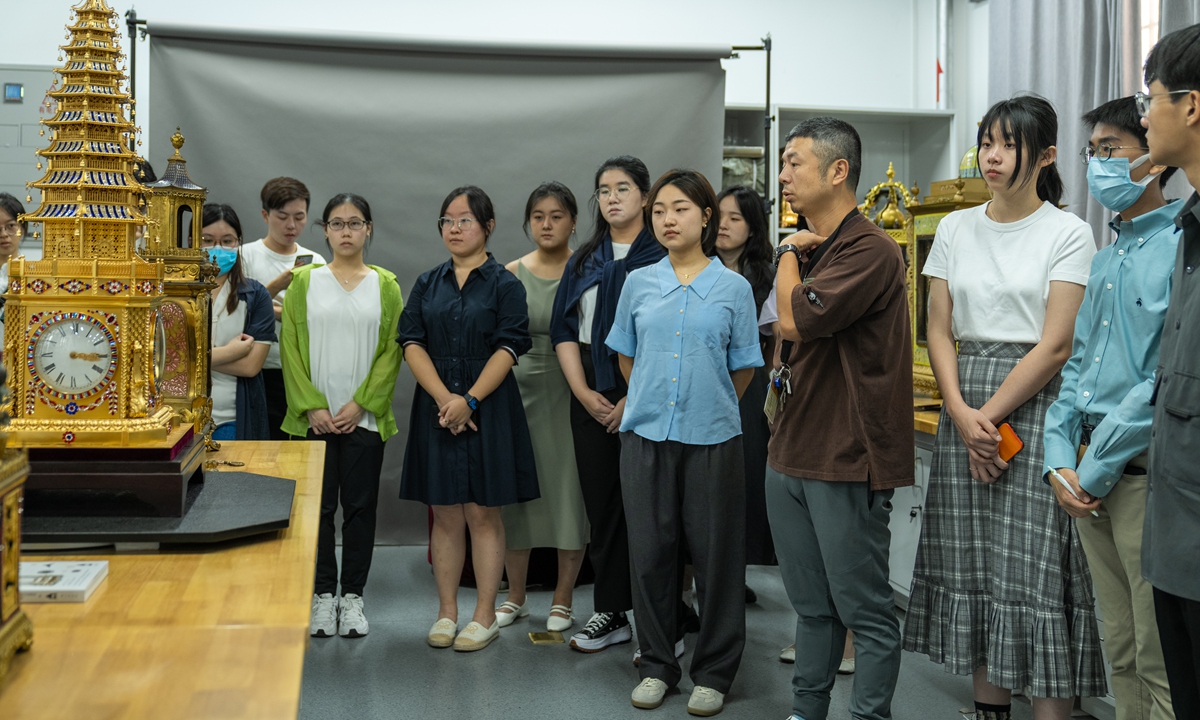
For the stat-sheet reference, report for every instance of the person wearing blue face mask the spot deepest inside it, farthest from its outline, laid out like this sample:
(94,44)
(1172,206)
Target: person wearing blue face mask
(1098,431)
(243,328)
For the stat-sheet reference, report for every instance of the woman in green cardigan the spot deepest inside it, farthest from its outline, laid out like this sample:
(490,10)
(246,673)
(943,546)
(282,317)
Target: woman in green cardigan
(340,361)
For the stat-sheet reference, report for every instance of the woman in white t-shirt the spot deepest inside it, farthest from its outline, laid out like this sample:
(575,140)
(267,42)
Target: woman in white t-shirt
(340,360)
(1001,590)
(242,330)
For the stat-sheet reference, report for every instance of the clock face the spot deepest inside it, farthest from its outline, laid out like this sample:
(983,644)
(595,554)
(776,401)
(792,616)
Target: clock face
(160,349)
(72,355)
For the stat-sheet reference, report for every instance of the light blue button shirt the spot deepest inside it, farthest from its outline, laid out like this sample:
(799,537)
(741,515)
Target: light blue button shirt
(685,340)
(1110,376)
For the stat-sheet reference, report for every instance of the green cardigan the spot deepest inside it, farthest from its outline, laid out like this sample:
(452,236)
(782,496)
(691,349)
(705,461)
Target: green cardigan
(375,394)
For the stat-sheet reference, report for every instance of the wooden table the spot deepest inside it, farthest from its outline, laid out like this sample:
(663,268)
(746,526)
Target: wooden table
(190,632)
(926,412)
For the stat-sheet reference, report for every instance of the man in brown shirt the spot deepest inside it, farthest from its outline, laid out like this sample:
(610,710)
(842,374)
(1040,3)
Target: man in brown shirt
(844,437)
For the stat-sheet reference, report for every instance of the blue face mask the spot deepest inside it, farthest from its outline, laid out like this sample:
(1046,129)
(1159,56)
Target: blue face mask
(1110,183)
(223,257)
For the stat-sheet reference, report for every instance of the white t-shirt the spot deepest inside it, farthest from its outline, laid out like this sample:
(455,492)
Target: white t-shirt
(343,331)
(587,301)
(225,327)
(1000,273)
(264,265)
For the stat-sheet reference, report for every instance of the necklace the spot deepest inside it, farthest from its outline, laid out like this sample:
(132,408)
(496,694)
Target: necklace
(339,277)
(688,275)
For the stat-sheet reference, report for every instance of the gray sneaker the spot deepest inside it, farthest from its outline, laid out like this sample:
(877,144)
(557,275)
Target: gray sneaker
(705,702)
(351,621)
(323,622)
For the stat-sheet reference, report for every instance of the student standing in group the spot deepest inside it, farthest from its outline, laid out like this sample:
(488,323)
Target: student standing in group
(1171,543)
(557,519)
(584,309)
(12,231)
(469,451)
(242,331)
(1098,430)
(340,362)
(270,261)
(744,246)
(842,437)
(1001,590)
(682,466)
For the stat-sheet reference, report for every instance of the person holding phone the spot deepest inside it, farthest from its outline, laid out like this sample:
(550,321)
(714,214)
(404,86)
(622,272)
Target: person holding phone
(1001,591)
(340,362)
(243,329)
(469,450)
(271,261)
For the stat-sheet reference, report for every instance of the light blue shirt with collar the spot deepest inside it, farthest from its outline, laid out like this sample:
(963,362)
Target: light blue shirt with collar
(1108,381)
(685,341)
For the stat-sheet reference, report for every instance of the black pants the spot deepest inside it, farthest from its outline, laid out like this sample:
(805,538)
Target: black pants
(352,466)
(675,491)
(598,458)
(276,403)
(1179,632)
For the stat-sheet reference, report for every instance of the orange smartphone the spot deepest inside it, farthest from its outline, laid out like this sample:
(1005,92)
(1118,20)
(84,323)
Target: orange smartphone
(1010,444)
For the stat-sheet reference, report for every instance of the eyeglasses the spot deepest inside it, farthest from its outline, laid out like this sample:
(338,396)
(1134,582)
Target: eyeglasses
(463,224)
(621,192)
(12,228)
(1104,152)
(1143,100)
(339,225)
(227,241)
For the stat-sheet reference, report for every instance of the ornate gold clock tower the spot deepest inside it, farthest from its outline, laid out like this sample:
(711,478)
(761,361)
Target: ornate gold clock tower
(84,339)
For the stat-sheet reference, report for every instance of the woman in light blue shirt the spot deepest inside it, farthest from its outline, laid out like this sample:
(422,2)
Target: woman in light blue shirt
(687,341)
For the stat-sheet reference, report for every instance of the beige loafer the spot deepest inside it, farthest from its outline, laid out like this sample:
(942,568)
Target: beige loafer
(441,635)
(475,637)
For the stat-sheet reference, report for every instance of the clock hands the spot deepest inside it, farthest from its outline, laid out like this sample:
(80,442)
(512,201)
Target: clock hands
(92,357)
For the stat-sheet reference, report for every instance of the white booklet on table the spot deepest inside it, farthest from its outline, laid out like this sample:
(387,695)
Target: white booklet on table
(65,582)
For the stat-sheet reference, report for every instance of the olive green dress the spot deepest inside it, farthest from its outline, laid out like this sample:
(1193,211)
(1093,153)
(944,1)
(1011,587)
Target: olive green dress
(557,519)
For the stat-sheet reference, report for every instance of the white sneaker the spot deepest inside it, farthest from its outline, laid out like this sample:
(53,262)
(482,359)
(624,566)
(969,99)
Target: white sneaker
(351,621)
(788,655)
(637,654)
(649,694)
(323,622)
(705,702)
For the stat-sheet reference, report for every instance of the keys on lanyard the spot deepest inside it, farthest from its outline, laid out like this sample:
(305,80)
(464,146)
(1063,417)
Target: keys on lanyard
(778,392)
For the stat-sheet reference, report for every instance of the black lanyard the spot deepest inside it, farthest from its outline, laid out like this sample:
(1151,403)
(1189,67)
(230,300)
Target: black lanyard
(786,347)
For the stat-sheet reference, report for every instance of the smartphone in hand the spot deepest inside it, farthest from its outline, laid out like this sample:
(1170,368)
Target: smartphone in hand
(1010,444)
(302,260)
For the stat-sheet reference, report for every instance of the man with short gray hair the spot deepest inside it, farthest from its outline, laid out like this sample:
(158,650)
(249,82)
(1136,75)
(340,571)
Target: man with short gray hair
(842,435)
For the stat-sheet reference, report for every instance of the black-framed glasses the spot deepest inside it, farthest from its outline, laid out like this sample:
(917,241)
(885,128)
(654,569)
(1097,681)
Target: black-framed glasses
(227,241)
(1143,99)
(463,224)
(339,225)
(1105,151)
(621,191)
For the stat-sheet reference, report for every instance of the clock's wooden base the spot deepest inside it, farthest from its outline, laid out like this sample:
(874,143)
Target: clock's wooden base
(145,481)
(15,634)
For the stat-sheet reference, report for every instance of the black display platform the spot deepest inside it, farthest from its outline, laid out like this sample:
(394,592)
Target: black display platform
(226,505)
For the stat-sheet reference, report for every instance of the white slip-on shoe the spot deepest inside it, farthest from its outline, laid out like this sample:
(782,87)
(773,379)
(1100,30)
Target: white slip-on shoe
(637,654)
(351,621)
(649,694)
(563,621)
(323,621)
(476,637)
(441,635)
(847,667)
(788,655)
(705,701)
(509,612)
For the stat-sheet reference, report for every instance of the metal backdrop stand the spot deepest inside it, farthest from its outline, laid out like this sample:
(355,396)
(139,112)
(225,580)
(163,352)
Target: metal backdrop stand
(768,119)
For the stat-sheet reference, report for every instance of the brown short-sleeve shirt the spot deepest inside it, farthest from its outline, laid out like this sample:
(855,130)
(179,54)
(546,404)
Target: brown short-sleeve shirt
(849,418)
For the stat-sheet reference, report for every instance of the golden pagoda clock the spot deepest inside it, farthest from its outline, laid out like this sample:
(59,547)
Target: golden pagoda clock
(84,341)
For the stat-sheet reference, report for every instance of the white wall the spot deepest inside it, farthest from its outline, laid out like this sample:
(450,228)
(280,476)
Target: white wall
(850,53)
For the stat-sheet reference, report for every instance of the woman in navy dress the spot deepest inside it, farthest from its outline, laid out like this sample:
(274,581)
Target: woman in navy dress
(469,451)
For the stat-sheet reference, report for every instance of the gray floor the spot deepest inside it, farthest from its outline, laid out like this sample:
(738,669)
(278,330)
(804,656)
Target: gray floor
(392,673)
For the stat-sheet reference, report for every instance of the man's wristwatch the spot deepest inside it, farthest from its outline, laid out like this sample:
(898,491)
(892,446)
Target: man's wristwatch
(785,249)
(472,402)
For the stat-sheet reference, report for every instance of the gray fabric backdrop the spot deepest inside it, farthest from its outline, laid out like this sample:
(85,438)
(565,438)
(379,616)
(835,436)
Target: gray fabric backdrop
(403,122)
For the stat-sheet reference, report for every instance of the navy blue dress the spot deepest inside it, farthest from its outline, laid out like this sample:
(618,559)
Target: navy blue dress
(461,330)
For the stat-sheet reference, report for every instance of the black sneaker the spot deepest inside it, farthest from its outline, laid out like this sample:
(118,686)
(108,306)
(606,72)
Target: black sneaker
(602,630)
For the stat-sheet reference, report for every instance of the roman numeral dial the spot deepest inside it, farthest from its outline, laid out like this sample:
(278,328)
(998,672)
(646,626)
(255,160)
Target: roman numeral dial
(73,355)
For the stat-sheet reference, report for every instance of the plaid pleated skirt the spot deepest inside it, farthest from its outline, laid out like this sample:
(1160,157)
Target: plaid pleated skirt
(1000,578)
